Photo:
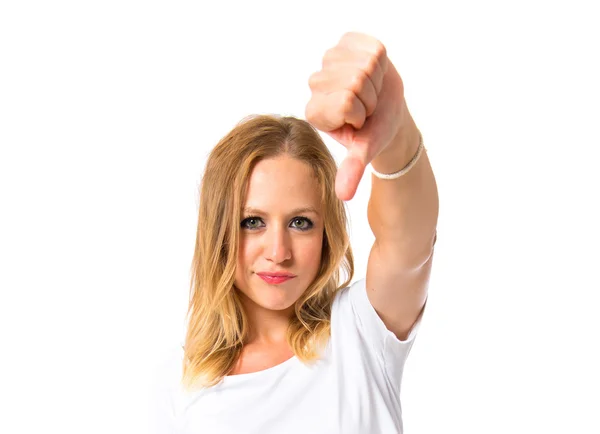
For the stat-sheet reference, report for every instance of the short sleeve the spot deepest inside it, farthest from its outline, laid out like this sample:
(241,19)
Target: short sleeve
(391,351)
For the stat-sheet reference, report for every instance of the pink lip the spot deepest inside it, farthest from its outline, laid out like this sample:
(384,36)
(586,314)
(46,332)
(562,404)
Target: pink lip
(275,279)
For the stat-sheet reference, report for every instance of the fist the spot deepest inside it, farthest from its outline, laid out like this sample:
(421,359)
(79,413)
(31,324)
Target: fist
(357,98)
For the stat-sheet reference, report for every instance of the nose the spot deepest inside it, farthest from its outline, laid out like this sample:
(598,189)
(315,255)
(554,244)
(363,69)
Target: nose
(277,245)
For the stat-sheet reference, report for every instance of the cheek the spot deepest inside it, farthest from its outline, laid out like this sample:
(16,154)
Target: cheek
(250,252)
(311,251)
(244,251)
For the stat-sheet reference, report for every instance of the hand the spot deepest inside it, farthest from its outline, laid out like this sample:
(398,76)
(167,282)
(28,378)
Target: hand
(358,99)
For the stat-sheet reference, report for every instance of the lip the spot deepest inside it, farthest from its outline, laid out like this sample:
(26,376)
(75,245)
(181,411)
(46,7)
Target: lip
(275,278)
(275,274)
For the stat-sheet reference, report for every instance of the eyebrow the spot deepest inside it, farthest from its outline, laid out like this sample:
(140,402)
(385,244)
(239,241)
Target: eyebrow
(295,211)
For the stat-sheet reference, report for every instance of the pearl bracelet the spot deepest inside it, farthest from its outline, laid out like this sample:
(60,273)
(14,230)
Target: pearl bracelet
(408,166)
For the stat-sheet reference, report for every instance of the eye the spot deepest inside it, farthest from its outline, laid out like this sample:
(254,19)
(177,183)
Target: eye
(308,223)
(251,222)
(300,223)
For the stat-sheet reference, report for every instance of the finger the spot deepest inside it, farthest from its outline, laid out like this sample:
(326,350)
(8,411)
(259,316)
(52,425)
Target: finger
(371,65)
(355,42)
(331,111)
(351,78)
(348,177)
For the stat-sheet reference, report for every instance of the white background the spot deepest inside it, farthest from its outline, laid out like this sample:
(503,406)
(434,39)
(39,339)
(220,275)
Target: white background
(108,110)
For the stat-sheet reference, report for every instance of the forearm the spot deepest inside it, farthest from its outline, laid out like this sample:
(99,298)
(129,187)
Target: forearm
(403,212)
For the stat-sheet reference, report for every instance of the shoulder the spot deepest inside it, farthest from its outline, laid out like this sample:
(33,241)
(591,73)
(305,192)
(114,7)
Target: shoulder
(168,372)
(346,305)
(165,396)
(342,295)
(352,310)
(351,294)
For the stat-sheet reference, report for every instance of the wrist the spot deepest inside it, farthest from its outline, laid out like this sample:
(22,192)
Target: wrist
(399,152)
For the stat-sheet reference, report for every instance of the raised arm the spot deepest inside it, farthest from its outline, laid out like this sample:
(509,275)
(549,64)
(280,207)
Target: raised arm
(358,99)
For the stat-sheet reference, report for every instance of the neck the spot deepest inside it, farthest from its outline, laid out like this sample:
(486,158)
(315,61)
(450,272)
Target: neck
(266,326)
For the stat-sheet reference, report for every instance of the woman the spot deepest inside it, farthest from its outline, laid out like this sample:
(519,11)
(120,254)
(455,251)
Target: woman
(275,342)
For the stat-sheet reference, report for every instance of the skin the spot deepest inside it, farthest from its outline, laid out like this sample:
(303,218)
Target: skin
(275,241)
(358,99)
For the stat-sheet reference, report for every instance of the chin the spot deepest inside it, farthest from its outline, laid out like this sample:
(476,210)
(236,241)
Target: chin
(279,306)
(275,301)
(276,297)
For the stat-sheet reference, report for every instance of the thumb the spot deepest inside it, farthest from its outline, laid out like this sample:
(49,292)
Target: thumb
(348,177)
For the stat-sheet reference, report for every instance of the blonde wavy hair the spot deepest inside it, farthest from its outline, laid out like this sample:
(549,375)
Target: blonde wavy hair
(216,323)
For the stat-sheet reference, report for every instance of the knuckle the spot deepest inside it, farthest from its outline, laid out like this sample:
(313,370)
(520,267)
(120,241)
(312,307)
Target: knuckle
(328,57)
(347,103)
(371,64)
(313,80)
(380,51)
(309,112)
(357,82)
(347,35)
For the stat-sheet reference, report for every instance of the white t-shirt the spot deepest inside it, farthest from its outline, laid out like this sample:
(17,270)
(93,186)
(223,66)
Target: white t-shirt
(353,388)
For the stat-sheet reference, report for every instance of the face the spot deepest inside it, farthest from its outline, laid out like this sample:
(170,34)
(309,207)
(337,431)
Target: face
(281,231)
